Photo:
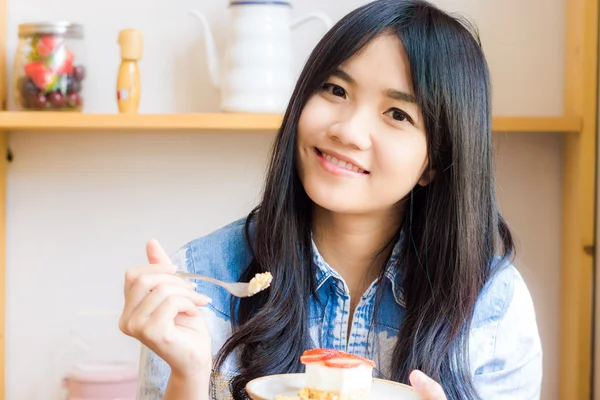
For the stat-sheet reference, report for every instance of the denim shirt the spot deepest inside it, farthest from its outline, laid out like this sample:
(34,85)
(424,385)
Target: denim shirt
(504,345)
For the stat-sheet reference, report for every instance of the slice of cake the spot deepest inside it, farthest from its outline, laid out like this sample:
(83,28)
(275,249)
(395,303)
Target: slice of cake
(336,375)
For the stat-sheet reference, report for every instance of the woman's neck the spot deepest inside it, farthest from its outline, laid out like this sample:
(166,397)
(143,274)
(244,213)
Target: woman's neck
(353,244)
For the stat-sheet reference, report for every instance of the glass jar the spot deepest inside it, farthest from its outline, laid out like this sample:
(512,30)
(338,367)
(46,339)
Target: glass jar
(49,68)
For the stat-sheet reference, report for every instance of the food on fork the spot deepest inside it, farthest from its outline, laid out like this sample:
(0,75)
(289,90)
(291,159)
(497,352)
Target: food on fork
(260,282)
(335,375)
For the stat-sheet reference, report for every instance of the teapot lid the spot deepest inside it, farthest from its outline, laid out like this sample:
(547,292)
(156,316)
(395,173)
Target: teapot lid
(260,2)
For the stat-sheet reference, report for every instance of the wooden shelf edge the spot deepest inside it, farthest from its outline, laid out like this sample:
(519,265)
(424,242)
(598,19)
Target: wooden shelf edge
(68,121)
(48,121)
(537,124)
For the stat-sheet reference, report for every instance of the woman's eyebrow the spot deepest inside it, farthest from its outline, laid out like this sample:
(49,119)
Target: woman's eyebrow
(344,76)
(400,95)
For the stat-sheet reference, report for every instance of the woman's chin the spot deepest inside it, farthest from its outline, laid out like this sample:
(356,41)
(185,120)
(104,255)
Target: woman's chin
(337,202)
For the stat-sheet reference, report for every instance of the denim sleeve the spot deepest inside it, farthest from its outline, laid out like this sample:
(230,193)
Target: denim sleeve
(153,376)
(508,364)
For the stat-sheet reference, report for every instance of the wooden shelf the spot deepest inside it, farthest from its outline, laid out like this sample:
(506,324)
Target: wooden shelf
(536,124)
(65,121)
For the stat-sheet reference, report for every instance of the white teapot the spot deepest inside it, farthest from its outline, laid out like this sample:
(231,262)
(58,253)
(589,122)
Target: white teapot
(256,75)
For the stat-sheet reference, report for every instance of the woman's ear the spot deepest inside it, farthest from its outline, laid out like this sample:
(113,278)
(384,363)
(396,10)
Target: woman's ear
(427,177)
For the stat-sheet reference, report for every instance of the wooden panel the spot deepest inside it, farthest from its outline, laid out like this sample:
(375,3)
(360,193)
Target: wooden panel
(49,121)
(3,55)
(3,150)
(576,276)
(581,59)
(3,172)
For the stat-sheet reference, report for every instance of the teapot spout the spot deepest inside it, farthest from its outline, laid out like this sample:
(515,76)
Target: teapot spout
(211,50)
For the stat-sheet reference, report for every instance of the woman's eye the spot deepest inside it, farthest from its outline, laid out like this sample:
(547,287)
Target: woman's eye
(399,115)
(334,90)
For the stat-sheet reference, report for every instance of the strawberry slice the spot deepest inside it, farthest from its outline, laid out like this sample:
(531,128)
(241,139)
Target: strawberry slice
(320,351)
(311,359)
(316,358)
(347,360)
(47,44)
(64,61)
(42,76)
(334,358)
(319,354)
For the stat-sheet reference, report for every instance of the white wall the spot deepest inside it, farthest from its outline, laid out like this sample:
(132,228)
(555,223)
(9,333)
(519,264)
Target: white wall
(82,205)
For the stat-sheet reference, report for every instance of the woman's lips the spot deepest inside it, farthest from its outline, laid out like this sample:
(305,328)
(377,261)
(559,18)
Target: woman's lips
(338,166)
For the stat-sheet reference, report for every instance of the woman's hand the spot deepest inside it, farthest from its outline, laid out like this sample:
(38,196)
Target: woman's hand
(161,311)
(427,388)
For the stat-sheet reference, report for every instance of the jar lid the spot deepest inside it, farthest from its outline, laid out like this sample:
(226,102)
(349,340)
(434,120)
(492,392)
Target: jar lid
(62,28)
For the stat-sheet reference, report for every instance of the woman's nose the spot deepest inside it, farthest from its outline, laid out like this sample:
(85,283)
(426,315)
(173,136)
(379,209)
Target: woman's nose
(355,131)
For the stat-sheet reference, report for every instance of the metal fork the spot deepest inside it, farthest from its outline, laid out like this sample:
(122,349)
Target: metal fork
(238,289)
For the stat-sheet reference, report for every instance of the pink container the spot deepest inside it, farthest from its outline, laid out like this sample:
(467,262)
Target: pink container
(102,383)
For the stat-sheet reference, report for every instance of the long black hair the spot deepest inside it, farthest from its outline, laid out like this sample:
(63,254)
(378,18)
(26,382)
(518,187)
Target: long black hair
(452,228)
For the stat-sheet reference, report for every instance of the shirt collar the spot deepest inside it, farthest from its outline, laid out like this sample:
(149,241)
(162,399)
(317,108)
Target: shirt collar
(323,271)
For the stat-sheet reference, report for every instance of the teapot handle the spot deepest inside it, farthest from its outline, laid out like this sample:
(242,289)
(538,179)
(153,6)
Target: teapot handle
(324,18)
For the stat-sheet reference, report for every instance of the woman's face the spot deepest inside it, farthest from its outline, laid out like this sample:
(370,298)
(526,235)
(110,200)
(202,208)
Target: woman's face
(361,142)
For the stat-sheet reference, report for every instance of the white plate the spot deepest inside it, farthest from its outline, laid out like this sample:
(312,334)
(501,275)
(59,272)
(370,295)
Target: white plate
(267,387)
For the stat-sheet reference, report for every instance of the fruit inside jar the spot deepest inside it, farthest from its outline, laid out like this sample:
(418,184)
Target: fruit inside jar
(49,74)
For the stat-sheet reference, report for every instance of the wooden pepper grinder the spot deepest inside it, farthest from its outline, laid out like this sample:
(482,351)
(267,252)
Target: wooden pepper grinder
(128,82)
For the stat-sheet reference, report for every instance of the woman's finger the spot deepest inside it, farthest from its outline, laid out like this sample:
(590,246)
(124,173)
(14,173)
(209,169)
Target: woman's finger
(164,317)
(134,319)
(133,274)
(155,253)
(146,283)
(162,292)
(427,388)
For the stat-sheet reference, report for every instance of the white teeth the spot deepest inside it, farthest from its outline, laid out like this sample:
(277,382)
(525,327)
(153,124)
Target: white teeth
(342,163)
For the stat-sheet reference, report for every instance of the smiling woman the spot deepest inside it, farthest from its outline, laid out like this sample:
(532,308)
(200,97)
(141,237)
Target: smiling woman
(378,223)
